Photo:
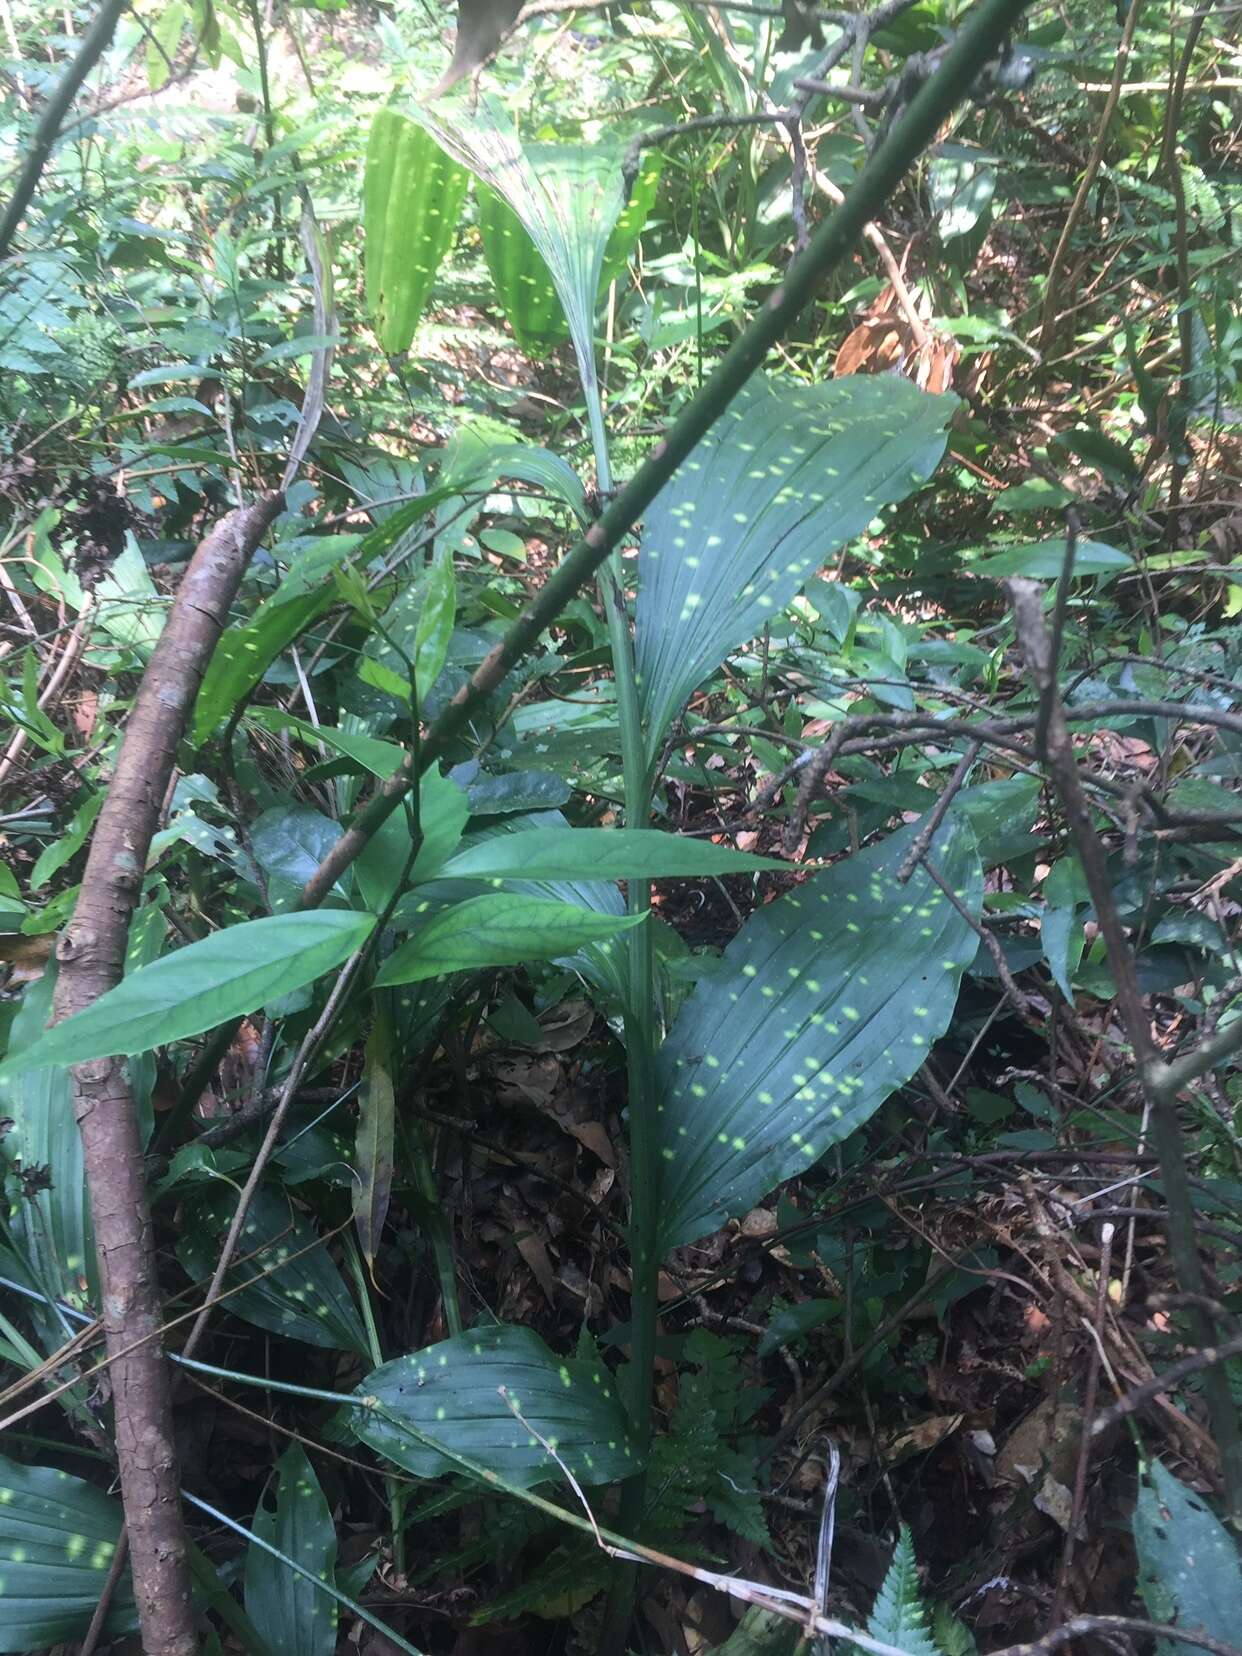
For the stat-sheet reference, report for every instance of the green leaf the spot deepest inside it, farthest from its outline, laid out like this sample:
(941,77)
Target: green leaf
(412,196)
(374,1140)
(501,929)
(442,812)
(484,452)
(291,1285)
(1189,1571)
(794,1322)
(435,621)
(57,1538)
(787,475)
(899,1618)
(761,1633)
(290,1614)
(599,854)
(826,1001)
(961,182)
(447,1398)
(533,790)
(521,280)
(567,197)
(1044,560)
(53,1226)
(245,652)
(202,986)
(54,856)
(289,842)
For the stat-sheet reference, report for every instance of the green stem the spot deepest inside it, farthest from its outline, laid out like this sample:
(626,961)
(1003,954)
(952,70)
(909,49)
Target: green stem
(393,1487)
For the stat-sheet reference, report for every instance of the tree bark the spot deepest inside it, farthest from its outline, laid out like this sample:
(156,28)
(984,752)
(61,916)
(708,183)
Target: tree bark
(91,953)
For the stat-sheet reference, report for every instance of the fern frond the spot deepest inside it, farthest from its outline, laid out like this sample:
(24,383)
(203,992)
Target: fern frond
(899,1617)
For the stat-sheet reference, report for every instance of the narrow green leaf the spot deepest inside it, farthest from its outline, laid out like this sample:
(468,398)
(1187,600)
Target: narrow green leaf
(374,1141)
(1044,560)
(826,1001)
(448,1396)
(201,986)
(54,856)
(501,929)
(290,1614)
(599,854)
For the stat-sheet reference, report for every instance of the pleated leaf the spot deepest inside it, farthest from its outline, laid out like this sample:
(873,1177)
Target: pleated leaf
(57,1538)
(1189,1569)
(412,196)
(826,1001)
(520,273)
(567,198)
(289,1611)
(52,1225)
(291,1285)
(448,1397)
(785,477)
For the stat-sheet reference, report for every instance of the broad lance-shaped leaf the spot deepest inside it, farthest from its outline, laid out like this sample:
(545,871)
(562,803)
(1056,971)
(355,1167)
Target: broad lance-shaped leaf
(550,853)
(412,196)
(826,1001)
(57,1538)
(502,928)
(446,1400)
(285,1281)
(788,474)
(289,1611)
(201,986)
(567,197)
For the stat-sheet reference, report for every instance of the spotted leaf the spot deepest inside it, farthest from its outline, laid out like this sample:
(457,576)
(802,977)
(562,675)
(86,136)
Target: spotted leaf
(285,1280)
(290,1613)
(787,475)
(57,1538)
(827,1001)
(446,1401)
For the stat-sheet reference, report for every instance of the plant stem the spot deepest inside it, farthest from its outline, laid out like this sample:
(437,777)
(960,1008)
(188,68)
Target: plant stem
(393,1487)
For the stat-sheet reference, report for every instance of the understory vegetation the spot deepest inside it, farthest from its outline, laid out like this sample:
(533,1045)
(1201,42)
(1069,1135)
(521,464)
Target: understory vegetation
(620,846)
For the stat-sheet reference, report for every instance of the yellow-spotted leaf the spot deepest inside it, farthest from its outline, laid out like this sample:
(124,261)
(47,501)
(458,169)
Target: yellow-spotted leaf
(826,1002)
(447,1400)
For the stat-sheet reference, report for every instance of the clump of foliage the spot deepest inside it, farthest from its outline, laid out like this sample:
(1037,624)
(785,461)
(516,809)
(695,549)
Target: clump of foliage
(620,846)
